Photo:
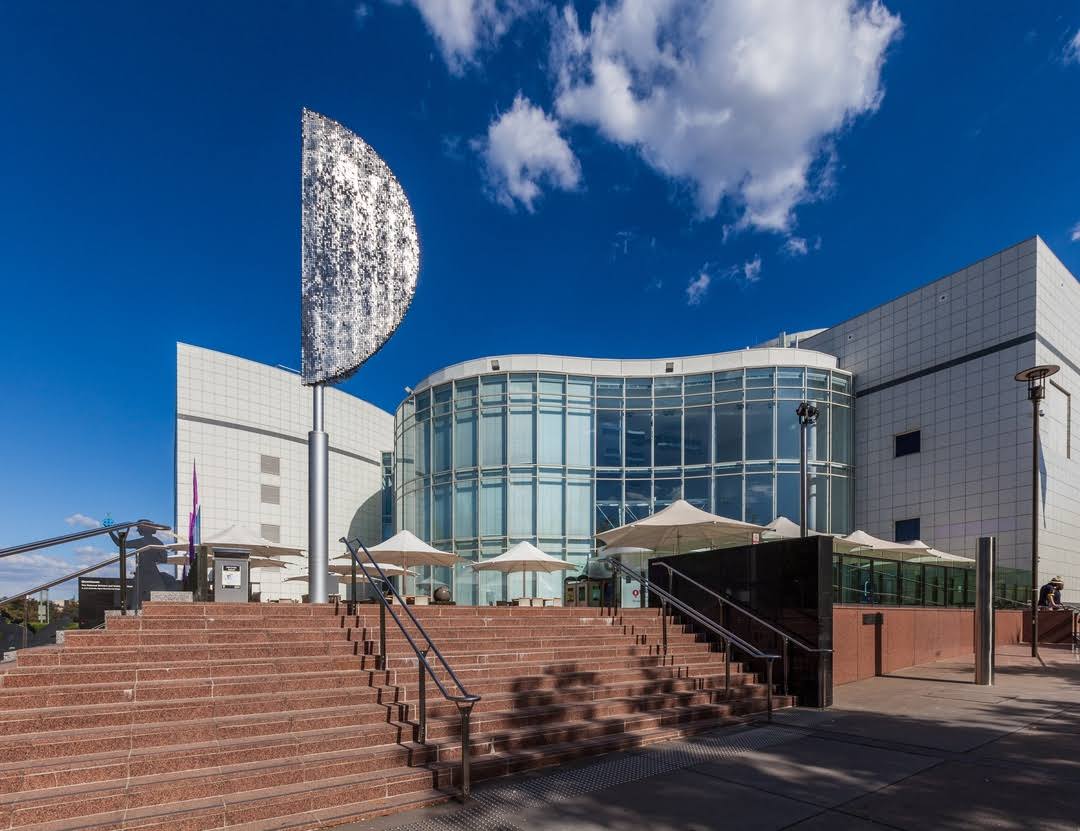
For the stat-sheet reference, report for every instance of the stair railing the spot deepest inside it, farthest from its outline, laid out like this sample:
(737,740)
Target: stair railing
(464,700)
(786,638)
(117,531)
(729,638)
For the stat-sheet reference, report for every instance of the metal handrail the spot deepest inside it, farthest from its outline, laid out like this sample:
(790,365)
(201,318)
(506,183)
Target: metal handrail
(60,580)
(786,637)
(729,637)
(80,535)
(729,602)
(465,701)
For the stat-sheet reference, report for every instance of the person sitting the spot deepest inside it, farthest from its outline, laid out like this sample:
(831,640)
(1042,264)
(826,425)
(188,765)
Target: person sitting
(1050,594)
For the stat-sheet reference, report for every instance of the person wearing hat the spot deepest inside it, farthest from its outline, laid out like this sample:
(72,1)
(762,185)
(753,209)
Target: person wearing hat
(1050,594)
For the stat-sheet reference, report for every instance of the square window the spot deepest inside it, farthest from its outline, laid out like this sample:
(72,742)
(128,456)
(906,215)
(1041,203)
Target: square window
(907,530)
(270,465)
(270,532)
(270,495)
(908,443)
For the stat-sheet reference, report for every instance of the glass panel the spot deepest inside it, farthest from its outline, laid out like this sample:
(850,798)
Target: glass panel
(465,509)
(493,508)
(696,492)
(886,582)
(465,393)
(443,512)
(841,506)
(609,392)
(911,584)
(843,436)
(787,430)
(667,491)
(423,447)
(788,376)
(759,498)
(465,580)
(817,379)
(730,380)
(729,433)
(637,511)
(442,448)
(638,438)
(668,438)
(579,438)
(550,437)
(522,384)
(696,439)
(787,496)
(578,508)
(608,516)
(841,383)
(423,513)
(728,501)
(759,430)
(759,377)
(522,508)
(577,387)
(551,509)
(818,497)
(935,586)
(552,385)
(493,451)
(818,437)
(609,438)
(493,389)
(522,437)
(638,490)
(465,439)
(639,392)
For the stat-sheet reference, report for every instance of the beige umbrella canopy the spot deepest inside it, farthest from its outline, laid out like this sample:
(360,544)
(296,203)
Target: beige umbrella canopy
(783,528)
(405,549)
(860,542)
(681,527)
(934,556)
(523,557)
(341,565)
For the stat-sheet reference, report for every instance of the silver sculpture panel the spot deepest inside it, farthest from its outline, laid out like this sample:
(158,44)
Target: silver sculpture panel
(361,254)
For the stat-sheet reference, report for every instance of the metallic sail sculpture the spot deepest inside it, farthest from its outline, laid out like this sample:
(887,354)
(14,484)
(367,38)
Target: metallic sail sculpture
(361,258)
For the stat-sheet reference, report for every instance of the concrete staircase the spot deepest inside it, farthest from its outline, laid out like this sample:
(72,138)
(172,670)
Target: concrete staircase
(263,716)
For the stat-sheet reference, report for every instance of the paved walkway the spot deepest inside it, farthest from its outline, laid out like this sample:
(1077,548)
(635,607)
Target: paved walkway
(920,749)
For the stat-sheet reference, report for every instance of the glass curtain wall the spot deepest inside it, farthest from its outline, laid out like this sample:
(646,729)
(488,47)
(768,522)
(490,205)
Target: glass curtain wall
(484,462)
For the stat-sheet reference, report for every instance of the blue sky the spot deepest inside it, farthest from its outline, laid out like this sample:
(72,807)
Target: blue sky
(587,180)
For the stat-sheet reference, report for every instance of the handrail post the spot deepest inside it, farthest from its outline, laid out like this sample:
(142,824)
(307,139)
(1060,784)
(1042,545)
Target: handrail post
(25,620)
(121,541)
(727,667)
(422,700)
(382,637)
(663,624)
(768,687)
(785,657)
(352,589)
(466,750)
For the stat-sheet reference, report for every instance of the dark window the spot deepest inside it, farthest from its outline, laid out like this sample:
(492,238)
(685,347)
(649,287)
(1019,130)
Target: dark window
(908,443)
(270,495)
(270,532)
(907,530)
(270,465)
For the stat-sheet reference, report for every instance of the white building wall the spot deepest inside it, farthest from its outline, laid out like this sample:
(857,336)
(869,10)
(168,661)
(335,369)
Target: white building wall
(1058,326)
(941,359)
(230,412)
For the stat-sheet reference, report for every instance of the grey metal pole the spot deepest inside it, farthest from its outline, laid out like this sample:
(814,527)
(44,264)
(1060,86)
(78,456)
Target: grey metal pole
(422,694)
(318,500)
(1035,527)
(466,752)
(121,541)
(804,496)
(984,611)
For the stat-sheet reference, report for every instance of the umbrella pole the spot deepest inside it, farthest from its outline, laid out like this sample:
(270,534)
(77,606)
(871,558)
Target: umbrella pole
(523,580)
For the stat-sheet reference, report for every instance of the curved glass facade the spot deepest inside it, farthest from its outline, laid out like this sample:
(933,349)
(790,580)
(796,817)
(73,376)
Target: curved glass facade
(487,460)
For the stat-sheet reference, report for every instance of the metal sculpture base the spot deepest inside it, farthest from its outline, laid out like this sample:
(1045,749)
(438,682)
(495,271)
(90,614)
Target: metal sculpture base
(318,501)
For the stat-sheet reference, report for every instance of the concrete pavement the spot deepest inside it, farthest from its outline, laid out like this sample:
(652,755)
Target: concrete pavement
(920,749)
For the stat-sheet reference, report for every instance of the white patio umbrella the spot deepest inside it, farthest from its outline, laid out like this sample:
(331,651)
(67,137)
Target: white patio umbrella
(406,549)
(240,539)
(681,527)
(523,557)
(341,565)
(858,542)
(784,528)
(933,555)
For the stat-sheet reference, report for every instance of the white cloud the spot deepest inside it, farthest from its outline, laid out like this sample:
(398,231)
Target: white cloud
(81,521)
(522,151)
(740,99)
(796,247)
(697,288)
(1074,234)
(463,27)
(749,272)
(1072,49)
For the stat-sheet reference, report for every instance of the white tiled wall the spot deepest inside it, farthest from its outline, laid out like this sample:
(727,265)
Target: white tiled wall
(972,476)
(267,411)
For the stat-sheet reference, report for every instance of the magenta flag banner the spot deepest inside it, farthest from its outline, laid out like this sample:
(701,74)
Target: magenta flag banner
(194,518)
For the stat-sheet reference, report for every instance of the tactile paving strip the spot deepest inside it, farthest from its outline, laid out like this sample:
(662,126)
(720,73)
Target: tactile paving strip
(493,808)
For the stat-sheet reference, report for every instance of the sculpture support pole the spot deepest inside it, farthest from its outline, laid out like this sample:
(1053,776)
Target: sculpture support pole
(318,500)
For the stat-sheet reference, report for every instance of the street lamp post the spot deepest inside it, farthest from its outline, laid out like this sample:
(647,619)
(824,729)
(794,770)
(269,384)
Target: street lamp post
(808,415)
(1035,378)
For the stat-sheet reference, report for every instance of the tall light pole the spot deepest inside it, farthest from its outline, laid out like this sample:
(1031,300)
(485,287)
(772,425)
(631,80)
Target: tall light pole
(808,415)
(1035,378)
